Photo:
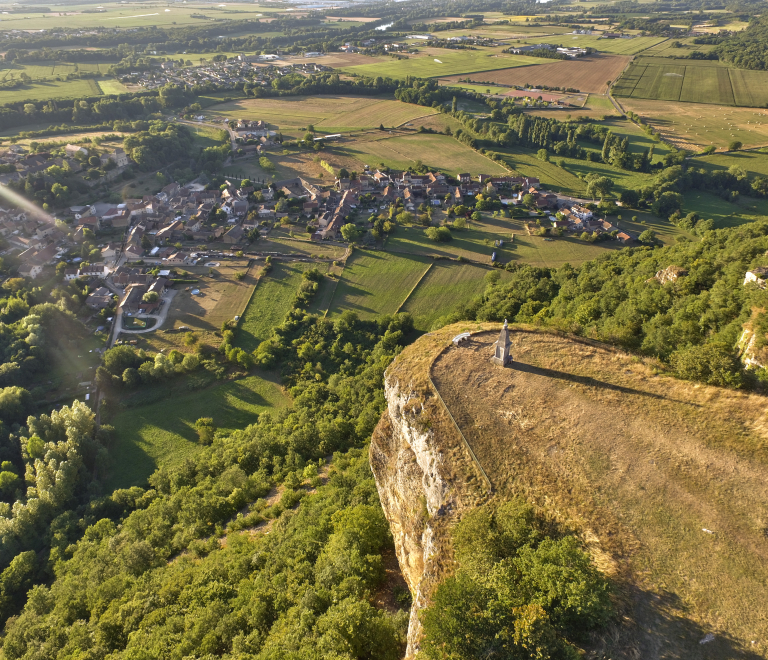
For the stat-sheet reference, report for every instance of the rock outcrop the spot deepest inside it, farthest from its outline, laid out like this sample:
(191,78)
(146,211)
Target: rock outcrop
(423,476)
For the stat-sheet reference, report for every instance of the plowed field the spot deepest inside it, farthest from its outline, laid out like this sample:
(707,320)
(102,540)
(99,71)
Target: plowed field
(587,74)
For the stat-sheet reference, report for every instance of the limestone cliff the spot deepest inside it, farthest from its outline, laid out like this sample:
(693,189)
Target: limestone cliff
(424,476)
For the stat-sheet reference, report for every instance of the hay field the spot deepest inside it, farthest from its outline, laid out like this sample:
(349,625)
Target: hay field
(587,74)
(424,65)
(440,152)
(328,114)
(695,126)
(375,283)
(705,81)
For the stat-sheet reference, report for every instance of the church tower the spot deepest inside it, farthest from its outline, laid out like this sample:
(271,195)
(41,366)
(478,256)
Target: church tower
(501,354)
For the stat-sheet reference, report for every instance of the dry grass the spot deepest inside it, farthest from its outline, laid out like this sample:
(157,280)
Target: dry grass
(587,74)
(639,463)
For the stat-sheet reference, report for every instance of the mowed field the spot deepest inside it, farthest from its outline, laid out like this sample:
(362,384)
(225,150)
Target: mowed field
(54,89)
(694,126)
(694,82)
(325,112)
(440,152)
(587,74)
(375,283)
(439,62)
(613,46)
(446,286)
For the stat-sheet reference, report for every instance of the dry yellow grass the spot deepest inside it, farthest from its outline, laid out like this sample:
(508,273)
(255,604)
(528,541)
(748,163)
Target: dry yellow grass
(665,480)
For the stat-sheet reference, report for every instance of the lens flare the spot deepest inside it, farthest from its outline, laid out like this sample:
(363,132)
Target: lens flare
(21,202)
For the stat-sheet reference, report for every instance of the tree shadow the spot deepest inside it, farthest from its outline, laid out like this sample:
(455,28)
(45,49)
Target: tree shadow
(663,630)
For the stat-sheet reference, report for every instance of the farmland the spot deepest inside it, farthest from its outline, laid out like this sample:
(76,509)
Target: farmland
(705,81)
(53,89)
(132,15)
(612,46)
(439,62)
(161,433)
(404,151)
(329,114)
(446,286)
(695,126)
(376,283)
(753,162)
(587,74)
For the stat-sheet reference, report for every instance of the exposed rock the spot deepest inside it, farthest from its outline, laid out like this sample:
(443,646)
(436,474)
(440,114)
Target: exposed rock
(669,274)
(753,342)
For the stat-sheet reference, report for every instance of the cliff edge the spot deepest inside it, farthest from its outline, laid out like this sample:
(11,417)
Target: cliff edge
(665,481)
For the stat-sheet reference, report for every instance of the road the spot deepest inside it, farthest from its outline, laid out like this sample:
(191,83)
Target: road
(160,318)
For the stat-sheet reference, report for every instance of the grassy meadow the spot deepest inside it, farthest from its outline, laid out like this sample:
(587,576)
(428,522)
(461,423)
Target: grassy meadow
(435,151)
(162,432)
(445,286)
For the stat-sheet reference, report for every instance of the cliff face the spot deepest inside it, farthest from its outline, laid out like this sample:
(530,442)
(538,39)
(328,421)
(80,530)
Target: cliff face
(423,478)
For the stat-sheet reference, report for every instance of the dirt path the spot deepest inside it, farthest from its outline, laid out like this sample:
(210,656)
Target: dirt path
(642,463)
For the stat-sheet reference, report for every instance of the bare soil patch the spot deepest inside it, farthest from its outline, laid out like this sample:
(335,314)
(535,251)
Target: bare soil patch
(587,74)
(666,480)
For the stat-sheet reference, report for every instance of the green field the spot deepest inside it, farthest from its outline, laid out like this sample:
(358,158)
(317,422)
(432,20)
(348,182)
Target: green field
(270,302)
(439,152)
(450,63)
(376,283)
(705,81)
(145,14)
(725,213)
(446,286)
(328,114)
(480,89)
(162,433)
(753,162)
(53,89)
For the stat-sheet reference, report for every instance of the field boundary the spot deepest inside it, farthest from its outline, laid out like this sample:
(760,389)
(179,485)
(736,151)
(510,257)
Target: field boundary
(350,251)
(253,292)
(415,286)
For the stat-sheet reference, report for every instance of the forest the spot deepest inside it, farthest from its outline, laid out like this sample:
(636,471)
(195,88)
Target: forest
(692,325)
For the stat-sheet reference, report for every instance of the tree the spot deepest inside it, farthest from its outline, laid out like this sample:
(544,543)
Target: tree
(350,232)
(543,154)
(460,223)
(439,234)
(150,297)
(404,218)
(710,149)
(599,186)
(131,378)
(734,146)
(529,200)
(205,430)
(648,237)
(240,275)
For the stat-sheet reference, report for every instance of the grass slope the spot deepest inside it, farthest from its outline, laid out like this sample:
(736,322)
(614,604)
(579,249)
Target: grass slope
(269,304)
(163,433)
(446,286)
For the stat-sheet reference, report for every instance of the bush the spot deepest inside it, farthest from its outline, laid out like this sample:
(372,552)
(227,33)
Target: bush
(439,234)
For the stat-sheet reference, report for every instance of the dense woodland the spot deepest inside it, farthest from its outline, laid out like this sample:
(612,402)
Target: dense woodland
(693,324)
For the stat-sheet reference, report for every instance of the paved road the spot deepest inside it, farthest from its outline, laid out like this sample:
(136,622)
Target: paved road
(160,318)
